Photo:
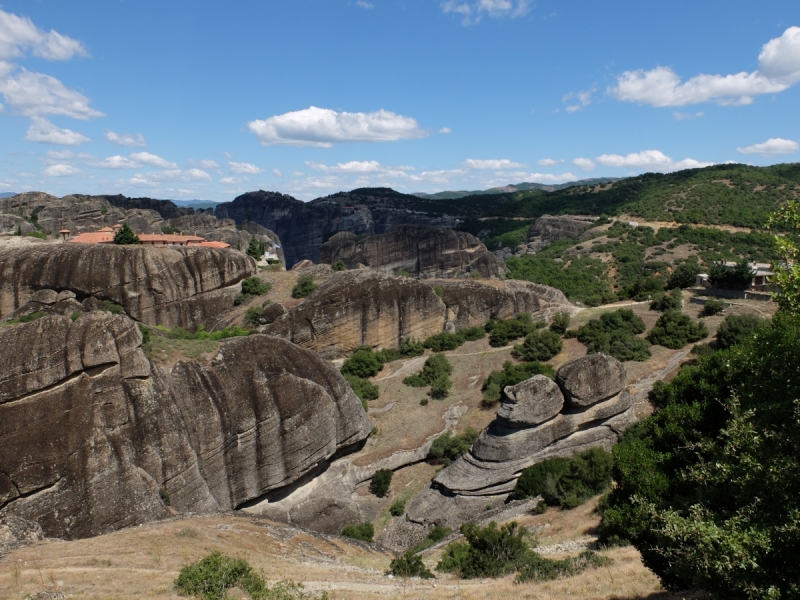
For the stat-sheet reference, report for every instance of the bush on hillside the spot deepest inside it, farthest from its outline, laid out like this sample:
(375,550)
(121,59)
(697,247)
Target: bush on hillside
(737,329)
(684,275)
(397,508)
(304,287)
(672,300)
(614,333)
(409,565)
(362,363)
(539,345)
(339,265)
(434,373)
(448,447)
(674,330)
(252,318)
(707,486)
(444,341)
(503,332)
(364,532)
(511,374)
(567,482)
(435,535)
(363,388)
(380,482)
(560,323)
(713,307)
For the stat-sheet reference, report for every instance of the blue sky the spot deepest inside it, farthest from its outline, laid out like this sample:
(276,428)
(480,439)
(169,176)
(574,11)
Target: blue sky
(198,99)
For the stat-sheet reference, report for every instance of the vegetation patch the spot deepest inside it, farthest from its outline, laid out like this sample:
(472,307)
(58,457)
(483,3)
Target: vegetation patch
(364,532)
(674,330)
(503,332)
(435,535)
(713,307)
(252,287)
(380,482)
(436,374)
(737,329)
(304,287)
(539,345)
(28,318)
(409,565)
(448,447)
(511,374)
(614,333)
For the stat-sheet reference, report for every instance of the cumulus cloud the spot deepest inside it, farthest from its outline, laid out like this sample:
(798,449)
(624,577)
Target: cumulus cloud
(208,164)
(19,34)
(157,177)
(134,161)
(230,180)
(653,160)
(583,100)
(548,162)
(679,116)
(36,94)
(322,127)
(587,164)
(779,69)
(364,4)
(61,170)
(445,130)
(44,132)
(277,172)
(243,167)
(126,140)
(472,12)
(772,147)
(493,164)
(145,158)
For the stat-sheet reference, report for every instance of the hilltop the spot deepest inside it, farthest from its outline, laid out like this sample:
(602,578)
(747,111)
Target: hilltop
(514,187)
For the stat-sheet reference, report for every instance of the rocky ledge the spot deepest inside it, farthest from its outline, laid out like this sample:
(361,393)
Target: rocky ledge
(94,437)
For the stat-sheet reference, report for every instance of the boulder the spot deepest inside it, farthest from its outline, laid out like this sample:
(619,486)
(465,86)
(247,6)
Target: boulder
(591,379)
(171,286)
(44,296)
(65,295)
(272,312)
(93,437)
(361,308)
(531,402)
(417,249)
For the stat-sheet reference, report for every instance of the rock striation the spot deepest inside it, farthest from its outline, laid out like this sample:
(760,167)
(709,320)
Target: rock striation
(587,406)
(171,286)
(94,437)
(417,249)
(548,229)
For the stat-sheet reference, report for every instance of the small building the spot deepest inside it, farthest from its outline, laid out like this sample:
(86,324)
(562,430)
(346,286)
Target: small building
(761,276)
(106,236)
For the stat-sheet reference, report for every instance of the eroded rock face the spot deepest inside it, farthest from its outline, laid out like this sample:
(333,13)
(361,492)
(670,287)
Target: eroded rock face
(590,379)
(172,286)
(534,424)
(91,431)
(548,229)
(417,249)
(361,308)
(470,303)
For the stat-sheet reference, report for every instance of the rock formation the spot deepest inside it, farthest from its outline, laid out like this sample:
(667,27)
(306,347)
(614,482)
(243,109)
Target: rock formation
(417,249)
(94,438)
(172,286)
(304,226)
(361,308)
(587,406)
(548,229)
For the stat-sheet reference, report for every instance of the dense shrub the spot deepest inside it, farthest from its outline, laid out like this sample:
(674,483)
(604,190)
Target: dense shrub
(435,535)
(253,286)
(397,508)
(28,318)
(448,447)
(339,265)
(560,323)
(252,318)
(582,280)
(363,388)
(380,482)
(362,363)
(443,341)
(674,330)
(113,307)
(511,374)
(364,532)
(684,275)
(440,387)
(538,346)
(614,333)
(736,329)
(409,565)
(708,487)
(713,307)
(503,332)
(304,287)
(739,277)
(672,300)
(434,373)
(179,333)
(567,482)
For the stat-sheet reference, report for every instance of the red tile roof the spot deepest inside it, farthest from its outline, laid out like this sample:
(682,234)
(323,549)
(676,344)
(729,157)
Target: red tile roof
(93,237)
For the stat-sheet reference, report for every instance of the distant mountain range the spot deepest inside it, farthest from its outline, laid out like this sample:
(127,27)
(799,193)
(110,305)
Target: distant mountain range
(196,203)
(514,187)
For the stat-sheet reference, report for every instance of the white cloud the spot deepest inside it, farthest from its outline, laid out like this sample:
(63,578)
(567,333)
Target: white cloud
(18,34)
(779,69)
(583,98)
(772,147)
(472,12)
(230,180)
(126,140)
(364,4)
(548,162)
(134,161)
(679,116)
(356,167)
(321,127)
(208,164)
(44,132)
(243,167)
(445,130)
(145,158)
(61,170)
(654,160)
(493,164)
(60,155)
(587,164)
(277,173)
(542,177)
(154,178)
(37,94)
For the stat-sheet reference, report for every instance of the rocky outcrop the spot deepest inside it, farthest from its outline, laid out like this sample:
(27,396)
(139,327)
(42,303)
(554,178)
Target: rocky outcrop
(304,226)
(548,229)
(93,437)
(417,249)
(535,423)
(471,303)
(361,308)
(14,225)
(172,286)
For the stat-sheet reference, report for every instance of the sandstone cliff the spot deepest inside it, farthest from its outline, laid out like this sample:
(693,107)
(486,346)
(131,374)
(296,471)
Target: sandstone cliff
(93,437)
(587,406)
(172,286)
(417,249)
(548,229)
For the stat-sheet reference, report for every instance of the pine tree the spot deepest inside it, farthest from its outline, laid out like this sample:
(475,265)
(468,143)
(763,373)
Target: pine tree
(256,249)
(125,235)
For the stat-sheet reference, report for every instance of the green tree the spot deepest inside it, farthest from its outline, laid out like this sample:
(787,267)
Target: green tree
(304,287)
(672,300)
(381,481)
(364,532)
(256,248)
(737,329)
(339,265)
(674,330)
(684,275)
(362,363)
(541,345)
(125,235)
(708,487)
(787,271)
(560,323)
